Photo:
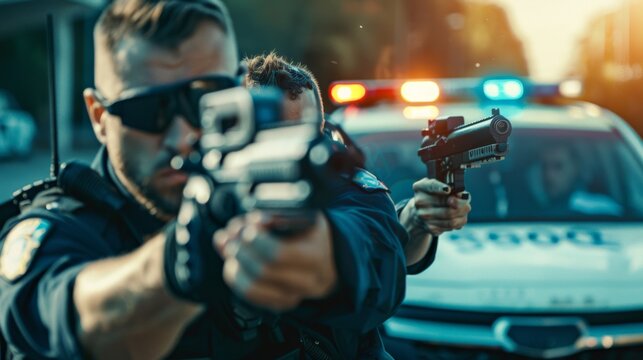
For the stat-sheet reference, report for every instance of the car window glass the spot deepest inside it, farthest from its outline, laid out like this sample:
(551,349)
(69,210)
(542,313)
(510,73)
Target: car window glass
(554,175)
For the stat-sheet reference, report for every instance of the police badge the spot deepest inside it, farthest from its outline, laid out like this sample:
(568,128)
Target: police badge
(368,182)
(20,246)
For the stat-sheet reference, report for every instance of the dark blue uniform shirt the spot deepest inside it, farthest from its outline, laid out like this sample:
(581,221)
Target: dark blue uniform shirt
(45,248)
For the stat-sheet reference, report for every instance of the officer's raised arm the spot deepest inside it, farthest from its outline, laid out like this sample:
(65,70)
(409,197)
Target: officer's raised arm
(345,275)
(449,146)
(368,249)
(124,308)
(428,214)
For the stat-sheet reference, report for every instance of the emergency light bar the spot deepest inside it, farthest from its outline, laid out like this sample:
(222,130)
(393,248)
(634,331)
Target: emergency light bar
(504,89)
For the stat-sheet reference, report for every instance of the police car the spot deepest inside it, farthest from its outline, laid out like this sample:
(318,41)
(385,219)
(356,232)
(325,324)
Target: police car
(551,262)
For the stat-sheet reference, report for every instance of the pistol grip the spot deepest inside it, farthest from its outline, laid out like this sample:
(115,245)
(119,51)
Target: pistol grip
(453,178)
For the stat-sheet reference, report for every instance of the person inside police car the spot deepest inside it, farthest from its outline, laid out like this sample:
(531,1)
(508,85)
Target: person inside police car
(564,184)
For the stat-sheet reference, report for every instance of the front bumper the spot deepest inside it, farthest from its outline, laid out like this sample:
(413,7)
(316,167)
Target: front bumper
(544,337)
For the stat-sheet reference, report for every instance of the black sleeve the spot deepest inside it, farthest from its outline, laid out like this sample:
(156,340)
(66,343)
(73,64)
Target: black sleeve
(429,257)
(37,313)
(367,241)
(426,261)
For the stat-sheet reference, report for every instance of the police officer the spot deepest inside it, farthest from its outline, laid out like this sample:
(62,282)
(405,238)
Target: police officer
(115,274)
(430,212)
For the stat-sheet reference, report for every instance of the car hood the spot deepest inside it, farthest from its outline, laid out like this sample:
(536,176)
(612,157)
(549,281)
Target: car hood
(534,267)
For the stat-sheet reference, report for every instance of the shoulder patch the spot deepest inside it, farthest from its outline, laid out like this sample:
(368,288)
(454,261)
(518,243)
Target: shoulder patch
(368,182)
(20,247)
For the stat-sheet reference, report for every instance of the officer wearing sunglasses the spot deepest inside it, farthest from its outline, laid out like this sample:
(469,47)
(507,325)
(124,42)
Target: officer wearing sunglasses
(78,281)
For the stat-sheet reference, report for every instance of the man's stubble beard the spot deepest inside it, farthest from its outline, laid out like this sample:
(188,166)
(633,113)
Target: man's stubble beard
(140,174)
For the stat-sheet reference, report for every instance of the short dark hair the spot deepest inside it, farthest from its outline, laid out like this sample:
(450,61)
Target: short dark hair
(165,23)
(275,70)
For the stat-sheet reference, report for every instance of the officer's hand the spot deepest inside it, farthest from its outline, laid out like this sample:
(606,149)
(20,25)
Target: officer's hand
(432,210)
(192,267)
(276,272)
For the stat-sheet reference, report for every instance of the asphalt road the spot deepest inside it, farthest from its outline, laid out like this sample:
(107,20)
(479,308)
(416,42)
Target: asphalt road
(15,173)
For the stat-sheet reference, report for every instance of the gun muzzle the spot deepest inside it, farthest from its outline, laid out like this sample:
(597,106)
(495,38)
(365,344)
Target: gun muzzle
(491,132)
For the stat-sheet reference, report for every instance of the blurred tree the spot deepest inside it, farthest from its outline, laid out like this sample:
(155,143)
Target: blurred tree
(340,39)
(493,47)
(432,43)
(461,38)
(334,38)
(262,26)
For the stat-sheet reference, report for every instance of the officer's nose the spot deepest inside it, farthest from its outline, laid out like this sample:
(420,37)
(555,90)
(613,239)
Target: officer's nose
(181,136)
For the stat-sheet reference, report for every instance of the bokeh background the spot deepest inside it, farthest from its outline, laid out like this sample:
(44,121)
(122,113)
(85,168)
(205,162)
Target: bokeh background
(596,41)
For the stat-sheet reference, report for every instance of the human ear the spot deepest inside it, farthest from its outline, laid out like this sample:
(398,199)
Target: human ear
(95,110)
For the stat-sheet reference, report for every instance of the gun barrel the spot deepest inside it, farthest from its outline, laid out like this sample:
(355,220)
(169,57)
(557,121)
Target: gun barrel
(495,130)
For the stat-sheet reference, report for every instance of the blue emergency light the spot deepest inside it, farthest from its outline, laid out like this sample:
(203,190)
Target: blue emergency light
(503,89)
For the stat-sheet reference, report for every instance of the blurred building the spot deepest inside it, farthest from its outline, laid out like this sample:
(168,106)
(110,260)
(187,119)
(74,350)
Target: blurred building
(610,62)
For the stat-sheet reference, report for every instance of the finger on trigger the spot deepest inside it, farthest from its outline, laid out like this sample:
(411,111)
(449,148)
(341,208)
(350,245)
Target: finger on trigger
(425,200)
(431,186)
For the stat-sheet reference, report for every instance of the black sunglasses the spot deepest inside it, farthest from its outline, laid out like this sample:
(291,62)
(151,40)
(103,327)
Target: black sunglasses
(152,109)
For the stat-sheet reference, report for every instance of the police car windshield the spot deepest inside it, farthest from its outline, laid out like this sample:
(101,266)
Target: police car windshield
(549,175)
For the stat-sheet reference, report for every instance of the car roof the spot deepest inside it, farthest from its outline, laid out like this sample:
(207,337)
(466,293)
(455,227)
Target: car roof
(389,117)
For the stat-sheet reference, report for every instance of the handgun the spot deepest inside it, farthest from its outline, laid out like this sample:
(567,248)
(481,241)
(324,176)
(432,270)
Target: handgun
(256,160)
(449,146)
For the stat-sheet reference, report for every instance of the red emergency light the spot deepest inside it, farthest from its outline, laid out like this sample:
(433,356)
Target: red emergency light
(372,91)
